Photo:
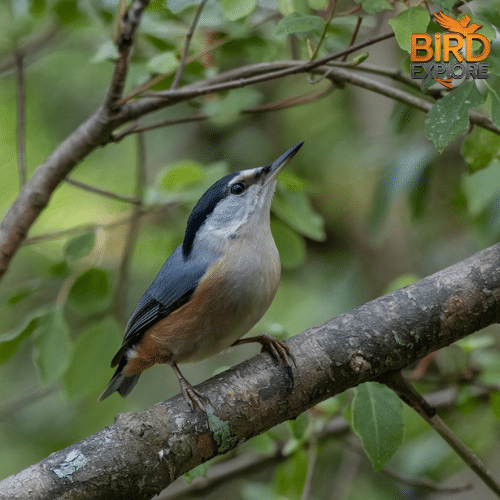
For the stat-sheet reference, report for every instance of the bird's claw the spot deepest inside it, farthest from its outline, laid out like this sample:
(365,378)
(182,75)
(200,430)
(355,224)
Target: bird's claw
(194,398)
(276,348)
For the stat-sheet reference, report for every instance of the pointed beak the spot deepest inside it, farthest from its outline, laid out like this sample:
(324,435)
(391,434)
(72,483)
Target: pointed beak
(272,171)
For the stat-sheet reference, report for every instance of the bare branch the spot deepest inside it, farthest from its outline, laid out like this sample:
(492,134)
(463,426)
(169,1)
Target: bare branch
(180,69)
(21,118)
(108,194)
(354,35)
(412,398)
(136,128)
(311,462)
(143,452)
(129,24)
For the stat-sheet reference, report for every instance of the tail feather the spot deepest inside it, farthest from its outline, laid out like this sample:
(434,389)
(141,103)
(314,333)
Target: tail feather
(121,383)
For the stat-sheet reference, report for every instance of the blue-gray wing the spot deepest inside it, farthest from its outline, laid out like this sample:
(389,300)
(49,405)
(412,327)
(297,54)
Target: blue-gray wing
(173,287)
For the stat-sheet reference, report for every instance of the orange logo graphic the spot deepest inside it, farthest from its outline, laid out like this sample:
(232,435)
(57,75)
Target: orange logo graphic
(460,37)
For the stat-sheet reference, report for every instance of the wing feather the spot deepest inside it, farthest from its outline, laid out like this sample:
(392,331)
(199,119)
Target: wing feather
(170,290)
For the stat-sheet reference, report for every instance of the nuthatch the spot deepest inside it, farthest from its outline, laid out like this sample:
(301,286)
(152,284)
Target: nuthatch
(213,288)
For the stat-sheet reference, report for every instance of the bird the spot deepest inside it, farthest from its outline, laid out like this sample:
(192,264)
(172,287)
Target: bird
(213,288)
(459,26)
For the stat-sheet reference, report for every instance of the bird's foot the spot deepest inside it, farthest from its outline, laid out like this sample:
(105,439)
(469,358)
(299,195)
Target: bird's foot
(194,398)
(276,348)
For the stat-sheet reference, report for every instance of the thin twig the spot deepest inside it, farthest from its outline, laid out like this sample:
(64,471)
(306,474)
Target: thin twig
(196,90)
(108,194)
(424,482)
(396,382)
(180,69)
(289,102)
(157,79)
(393,73)
(21,117)
(354,35)
(350,11)
(274,106)
(401,96)
(331,6)
(311,463)
(348,470)
(135,128)
(120,295)
(128,26)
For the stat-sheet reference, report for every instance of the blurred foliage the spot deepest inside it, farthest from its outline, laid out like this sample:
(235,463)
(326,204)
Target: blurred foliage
(368,205)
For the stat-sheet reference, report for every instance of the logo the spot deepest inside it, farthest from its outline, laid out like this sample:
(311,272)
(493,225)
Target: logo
(452,54)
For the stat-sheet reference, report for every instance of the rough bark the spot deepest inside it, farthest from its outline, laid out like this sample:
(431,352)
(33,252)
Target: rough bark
(143,452)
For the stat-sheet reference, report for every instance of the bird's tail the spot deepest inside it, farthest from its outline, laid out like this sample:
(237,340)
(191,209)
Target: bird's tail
(121,383)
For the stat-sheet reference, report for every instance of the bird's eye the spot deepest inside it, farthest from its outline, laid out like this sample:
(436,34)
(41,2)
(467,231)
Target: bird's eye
(238,188)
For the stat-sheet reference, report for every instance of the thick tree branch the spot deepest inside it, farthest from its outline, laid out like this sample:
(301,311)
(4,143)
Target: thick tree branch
(143,452)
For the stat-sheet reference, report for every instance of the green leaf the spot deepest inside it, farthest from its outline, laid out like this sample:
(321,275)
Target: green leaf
(24,291)
(286,7)
(291,246)
(298,426)
(290,476)
(10,342)
(79,247)
(94,348)
(67,11)
(90,292)
(401,177)
(59,269)
(299,23)
(199,471)
(377,418)
(374,6)
(449,116)
(37,7)
(177,6)
(107,51)
(182,174)
(294,208)
(473,342)
(412,20)
(481,187)
(226,110)
(317,4)
(163,63)
(400,282)
(495,107)
(495,403)
(446,5)
(52,345)
(480,148)
(236,9)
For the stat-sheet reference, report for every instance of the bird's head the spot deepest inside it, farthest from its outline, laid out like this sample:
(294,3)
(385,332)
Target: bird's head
(238,200)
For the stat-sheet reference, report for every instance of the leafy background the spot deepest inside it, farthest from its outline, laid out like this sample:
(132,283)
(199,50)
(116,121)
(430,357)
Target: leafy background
(379,196)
